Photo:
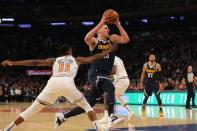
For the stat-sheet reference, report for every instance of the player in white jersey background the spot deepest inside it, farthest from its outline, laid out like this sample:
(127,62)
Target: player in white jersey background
(121,83)
(60,84)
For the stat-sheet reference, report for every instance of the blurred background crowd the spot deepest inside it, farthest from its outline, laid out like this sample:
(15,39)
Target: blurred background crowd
(167,27)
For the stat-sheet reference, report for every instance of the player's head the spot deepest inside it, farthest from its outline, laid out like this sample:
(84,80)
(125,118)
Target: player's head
(103,31)
(152,57)
(65,50)
(189,69)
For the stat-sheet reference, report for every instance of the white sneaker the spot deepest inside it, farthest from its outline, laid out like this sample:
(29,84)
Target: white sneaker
(130,115)
(113,120)
(6,129)
(59,119)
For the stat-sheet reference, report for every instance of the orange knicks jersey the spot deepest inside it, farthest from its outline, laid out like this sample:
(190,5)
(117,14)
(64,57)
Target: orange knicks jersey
(65,66)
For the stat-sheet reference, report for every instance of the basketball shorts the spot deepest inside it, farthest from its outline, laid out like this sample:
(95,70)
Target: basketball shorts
(59,86)
(151,87)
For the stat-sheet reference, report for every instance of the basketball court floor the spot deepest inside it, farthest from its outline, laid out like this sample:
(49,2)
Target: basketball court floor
(175,118)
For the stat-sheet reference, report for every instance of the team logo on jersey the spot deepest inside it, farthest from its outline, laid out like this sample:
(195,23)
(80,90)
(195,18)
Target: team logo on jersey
(150,70)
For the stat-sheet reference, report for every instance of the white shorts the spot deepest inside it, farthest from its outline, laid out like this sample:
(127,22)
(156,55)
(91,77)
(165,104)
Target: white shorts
(59,86)
(121,85)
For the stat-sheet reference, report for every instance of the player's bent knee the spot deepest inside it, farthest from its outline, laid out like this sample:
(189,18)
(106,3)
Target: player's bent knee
(85,105)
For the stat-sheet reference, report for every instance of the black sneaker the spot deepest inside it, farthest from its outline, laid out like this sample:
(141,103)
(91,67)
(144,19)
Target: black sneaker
(143,110)
(59,119)
(161,112)
(188,108)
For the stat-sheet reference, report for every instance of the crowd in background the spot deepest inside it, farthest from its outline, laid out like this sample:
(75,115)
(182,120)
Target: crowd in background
(19,89)
(175,48)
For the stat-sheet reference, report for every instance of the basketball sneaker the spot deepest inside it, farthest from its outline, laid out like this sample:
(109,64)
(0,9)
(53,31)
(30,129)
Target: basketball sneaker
(143,110)
(161,112)
(59,119)
(113,120)
(4,130)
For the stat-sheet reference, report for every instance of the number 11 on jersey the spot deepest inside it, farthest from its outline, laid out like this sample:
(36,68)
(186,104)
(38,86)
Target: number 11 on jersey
(64,67)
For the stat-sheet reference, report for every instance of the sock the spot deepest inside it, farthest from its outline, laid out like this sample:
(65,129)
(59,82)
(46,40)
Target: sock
(96,124)
(122,102)
(127,108)
(12,125)
(106,113)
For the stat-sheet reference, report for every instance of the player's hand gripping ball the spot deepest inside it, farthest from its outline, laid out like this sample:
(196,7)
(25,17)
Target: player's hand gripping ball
(113,16)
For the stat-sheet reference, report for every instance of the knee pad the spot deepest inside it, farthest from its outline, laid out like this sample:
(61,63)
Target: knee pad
(85,105)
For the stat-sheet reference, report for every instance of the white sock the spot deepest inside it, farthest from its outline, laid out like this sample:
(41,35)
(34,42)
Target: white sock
(124,104)
(96,124)
(127,108)
(9,127)
(106,113)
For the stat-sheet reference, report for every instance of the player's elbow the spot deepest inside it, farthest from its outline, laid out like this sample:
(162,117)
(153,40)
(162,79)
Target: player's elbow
(126,40)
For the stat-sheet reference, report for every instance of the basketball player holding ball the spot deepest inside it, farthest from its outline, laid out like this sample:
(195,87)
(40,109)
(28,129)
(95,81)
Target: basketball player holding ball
(100,71)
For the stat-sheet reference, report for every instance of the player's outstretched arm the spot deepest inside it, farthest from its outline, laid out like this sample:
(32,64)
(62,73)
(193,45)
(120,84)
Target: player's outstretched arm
(91,59)
(89,39)
(123,38)
(44,62)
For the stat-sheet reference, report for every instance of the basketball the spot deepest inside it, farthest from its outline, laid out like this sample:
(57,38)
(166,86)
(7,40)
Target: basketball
(113,16)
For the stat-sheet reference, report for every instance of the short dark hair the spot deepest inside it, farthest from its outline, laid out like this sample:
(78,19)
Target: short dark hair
(151,53)
(64,49)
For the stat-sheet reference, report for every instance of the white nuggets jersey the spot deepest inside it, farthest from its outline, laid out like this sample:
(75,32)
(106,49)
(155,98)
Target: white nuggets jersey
(65,66)
(120,69)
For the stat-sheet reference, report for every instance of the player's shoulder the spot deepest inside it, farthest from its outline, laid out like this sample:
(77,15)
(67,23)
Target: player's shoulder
(65,57)
(157,64)
(60,57)
(145,64)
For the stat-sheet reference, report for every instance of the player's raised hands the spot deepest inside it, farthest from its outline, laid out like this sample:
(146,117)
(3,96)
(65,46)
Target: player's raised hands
(105,18)
(7,63)
(117,21)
